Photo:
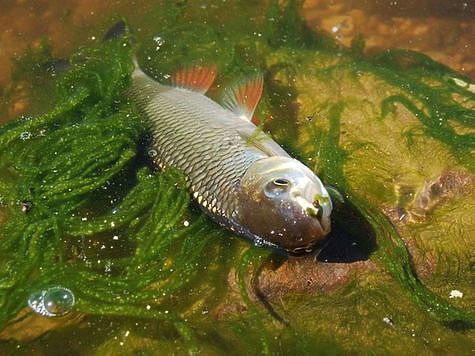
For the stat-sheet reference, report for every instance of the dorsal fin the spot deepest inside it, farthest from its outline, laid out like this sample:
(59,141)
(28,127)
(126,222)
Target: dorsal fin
(197,78)
(243,97)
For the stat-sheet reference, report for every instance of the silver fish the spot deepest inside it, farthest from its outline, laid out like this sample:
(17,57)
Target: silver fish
(238,175)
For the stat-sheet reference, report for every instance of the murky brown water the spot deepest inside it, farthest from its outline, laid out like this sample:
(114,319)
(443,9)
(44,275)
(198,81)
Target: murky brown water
(444,30)
(441,29)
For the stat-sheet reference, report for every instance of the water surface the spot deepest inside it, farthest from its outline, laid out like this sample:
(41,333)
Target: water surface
(366,120)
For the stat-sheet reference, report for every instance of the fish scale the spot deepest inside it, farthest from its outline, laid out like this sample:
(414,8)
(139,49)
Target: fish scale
(187,134)
(236,173)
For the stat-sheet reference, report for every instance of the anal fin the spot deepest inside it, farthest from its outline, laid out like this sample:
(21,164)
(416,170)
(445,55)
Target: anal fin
(196,78)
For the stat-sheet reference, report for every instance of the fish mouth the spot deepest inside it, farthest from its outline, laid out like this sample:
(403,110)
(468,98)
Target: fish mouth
(315,226)
(313,237)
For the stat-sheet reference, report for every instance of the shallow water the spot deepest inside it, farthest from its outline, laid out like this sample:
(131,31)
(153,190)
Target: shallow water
(347,299)
(445,31)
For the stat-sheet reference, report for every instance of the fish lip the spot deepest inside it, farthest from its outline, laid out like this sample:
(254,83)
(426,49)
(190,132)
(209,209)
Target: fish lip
(321,230)
(319,239)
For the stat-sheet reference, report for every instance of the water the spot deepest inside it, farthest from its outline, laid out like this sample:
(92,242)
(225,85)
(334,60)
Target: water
(445,32)
(176,282)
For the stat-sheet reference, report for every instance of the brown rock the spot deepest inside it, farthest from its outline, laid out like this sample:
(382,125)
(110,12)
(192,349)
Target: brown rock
(306,275)
(28,326)
(435,192)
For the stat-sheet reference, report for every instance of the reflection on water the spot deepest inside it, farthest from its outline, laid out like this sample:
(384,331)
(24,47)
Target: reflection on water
(445,30)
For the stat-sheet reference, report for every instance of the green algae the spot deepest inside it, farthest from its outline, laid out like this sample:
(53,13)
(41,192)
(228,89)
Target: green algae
(83,167)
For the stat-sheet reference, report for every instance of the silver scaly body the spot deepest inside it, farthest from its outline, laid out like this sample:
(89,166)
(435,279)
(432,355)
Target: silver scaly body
(214,147)
(205,141)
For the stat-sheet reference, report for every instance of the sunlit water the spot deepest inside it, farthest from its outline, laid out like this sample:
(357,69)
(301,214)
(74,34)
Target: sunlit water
(384,24)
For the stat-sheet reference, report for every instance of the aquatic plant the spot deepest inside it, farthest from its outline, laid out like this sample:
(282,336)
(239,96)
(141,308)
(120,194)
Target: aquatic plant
(82,208)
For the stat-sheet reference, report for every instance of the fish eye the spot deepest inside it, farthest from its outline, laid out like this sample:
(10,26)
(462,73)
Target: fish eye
(276,187)
(281,182)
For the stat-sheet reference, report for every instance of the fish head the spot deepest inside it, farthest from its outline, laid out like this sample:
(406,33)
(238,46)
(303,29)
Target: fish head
(283,202)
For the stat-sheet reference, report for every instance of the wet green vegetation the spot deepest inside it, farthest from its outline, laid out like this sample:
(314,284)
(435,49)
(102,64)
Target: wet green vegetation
(82,207)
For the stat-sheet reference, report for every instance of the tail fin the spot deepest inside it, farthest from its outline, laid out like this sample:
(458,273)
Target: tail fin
(116,31)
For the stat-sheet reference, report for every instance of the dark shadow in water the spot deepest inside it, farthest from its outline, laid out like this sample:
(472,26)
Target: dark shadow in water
(352,238)
(459,325)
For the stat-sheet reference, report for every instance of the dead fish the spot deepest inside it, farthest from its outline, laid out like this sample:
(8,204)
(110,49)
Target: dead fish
(237,174)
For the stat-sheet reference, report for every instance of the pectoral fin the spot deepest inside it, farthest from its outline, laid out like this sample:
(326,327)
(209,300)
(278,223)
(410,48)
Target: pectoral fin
(258,139)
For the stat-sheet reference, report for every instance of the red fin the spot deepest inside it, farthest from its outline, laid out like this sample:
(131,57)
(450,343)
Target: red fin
(196,78)
(244,97)
(256,121)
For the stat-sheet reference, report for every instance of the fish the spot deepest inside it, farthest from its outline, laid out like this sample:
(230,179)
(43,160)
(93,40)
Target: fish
(237,174)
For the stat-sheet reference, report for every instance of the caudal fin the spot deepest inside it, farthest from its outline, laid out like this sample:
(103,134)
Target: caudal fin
(116,31)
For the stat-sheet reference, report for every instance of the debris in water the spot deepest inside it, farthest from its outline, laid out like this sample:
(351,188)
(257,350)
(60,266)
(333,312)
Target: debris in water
(388,321)
(26,206)
(454,293)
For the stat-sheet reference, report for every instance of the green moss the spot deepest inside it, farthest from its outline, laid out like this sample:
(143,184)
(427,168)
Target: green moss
(83,208)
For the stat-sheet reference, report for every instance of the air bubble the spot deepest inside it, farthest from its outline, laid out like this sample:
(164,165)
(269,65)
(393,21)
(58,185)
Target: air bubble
(54,301)
(25,135)
(158,41)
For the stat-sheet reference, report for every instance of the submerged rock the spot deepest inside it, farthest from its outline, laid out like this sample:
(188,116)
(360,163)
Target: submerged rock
(436,192)
(307,275)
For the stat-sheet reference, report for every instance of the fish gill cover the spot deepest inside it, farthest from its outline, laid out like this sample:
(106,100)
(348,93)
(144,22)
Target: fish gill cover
(83,211)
